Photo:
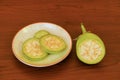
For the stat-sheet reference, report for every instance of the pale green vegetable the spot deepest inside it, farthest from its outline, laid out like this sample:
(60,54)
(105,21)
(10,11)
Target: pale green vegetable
(90,48)
(32,49)
(41,33)
(52,43)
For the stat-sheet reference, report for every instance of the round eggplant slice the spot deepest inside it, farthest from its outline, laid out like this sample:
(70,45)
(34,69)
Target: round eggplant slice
(32,49)
(52,43)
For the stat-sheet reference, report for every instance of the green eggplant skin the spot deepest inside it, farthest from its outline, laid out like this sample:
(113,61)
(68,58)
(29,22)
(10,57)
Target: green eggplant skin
(32,50)
(94,40)
(52,44)
(41,33)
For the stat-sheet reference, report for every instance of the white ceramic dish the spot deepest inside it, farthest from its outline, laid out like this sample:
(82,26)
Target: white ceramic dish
(29,31)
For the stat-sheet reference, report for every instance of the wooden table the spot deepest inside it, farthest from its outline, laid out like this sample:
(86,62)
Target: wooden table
(99,16)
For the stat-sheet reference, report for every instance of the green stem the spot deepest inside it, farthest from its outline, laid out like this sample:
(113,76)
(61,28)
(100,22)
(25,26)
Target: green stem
(83,28)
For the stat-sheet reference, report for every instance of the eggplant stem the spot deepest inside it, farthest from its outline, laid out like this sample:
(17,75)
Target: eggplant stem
(83,31)
(83,28)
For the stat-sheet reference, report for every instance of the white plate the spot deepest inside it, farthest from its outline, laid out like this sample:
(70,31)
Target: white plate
(28,32)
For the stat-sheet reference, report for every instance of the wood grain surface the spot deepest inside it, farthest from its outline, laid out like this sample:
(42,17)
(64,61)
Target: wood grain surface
(99,16)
